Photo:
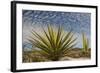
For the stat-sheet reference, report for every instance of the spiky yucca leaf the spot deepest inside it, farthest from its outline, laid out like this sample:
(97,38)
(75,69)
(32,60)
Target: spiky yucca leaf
(54,43)
(85,43)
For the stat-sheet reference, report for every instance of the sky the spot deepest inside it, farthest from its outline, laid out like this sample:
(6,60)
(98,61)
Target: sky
(74,21)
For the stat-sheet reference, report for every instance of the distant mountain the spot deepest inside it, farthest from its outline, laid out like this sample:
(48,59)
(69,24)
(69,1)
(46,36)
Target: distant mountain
(27,46)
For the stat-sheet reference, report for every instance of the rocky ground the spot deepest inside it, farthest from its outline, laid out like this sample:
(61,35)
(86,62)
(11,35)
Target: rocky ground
(73,54)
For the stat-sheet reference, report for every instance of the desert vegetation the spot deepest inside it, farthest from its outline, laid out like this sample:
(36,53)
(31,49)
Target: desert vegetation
(55,45)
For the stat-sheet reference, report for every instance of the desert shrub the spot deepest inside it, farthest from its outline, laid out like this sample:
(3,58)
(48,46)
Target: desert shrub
(53,43)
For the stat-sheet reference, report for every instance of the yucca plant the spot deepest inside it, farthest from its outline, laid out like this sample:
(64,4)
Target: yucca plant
(53,43)
(85,43)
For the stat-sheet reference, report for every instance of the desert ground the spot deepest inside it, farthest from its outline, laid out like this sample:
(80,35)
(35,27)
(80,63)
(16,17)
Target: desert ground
(72,54)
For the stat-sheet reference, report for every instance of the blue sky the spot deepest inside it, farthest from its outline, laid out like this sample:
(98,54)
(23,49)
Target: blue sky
(77,22)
